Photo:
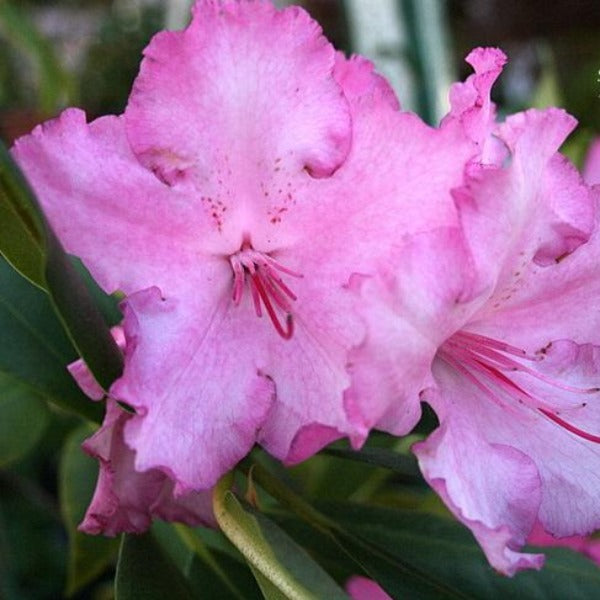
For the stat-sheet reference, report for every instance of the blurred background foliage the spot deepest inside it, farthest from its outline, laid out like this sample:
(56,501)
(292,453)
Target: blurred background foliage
(59,53)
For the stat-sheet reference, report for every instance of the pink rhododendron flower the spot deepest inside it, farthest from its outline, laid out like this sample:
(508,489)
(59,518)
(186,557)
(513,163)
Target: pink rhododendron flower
(255,173)
(517,375)
(363,588)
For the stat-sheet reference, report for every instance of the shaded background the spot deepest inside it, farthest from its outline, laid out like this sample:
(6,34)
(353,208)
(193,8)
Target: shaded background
(61,53)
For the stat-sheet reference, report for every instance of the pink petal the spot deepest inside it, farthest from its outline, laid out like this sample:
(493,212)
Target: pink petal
(249,81)
(410,315)
(537,304)
(535,209)
(471,105)
(489,485)
(357,77)
(126,500)
(363,588)
(193,375)
(591,169)
(104,206)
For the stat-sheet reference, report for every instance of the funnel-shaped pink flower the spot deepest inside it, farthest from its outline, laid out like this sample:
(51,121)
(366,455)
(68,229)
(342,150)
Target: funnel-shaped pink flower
(255,182)
(517,377)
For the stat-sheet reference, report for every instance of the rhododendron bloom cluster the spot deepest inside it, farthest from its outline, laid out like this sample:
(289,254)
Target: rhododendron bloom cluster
(255,183)
(303,261)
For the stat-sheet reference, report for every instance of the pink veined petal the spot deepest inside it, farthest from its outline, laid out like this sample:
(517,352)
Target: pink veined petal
(489,485)
(534,210)
(409,316)
(127,500)
(363,588)
(86,175)
(538,304)
(390,189)
(199,402)
(471,105)
(250,81)
(591,169)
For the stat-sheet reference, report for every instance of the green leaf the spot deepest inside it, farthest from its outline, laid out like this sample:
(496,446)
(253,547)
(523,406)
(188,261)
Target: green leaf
(88,555)
(80,316)
(24,417)
(22,233)
(447,551)
(35,350)
(210,573)
(145,571)
(399,577)
(285,569)
(70,297)
(401,464)
(217,573)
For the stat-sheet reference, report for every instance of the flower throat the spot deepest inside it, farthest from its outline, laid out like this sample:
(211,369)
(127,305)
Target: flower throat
(267,288)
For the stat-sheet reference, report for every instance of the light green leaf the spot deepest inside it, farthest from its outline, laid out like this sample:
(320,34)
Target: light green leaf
(24,417)
(288,569)
(88,555)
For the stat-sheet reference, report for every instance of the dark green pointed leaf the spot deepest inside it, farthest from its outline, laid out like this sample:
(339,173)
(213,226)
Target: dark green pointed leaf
(145,571)
(29,234)
(88,555)
(401,464)
(210,573)
(35,350)
(23,418)
(399,577)
(286,570)
(219,574)
(447,551)
(22,234)
(80,316)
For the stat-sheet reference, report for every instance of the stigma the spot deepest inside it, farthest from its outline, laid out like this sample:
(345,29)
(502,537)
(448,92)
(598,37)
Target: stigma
(488,364)
(263,274)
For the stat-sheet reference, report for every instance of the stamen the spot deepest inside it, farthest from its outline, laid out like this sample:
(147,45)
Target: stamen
(264,296)
(483,341)
(582,434)
(266,286)
(480,358)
